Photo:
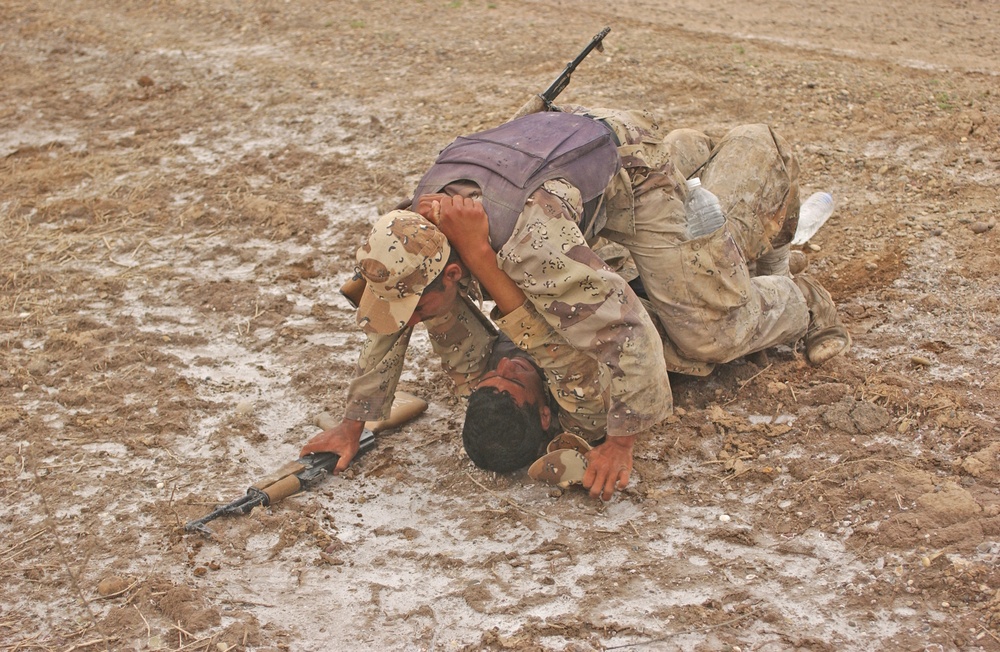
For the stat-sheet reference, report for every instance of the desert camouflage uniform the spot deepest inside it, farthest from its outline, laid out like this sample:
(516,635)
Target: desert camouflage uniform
(587,315)
(709,308)
(461,338)
(580,299)
(578,386)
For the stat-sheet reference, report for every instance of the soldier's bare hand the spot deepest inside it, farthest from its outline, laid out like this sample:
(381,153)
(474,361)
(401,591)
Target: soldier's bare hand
(609,467)
(462,220)
(429,206)
(343,439)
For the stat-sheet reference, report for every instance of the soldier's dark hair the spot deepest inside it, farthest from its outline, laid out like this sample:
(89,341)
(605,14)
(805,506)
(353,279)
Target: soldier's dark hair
(500,436)
(438,282)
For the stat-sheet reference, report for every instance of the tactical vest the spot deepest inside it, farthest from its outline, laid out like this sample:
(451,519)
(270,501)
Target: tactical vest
(511,161)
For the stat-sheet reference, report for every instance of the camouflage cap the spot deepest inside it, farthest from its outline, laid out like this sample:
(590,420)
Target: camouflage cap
(403,254)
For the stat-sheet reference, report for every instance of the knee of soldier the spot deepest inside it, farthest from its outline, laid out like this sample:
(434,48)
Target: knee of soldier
(758,132)
(719,341)
(689,149)
(766,138)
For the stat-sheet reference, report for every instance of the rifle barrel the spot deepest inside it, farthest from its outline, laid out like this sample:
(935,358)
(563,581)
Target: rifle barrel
(242,505)
(562,81)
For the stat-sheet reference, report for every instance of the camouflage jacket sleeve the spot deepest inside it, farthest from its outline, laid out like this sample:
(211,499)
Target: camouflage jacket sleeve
(462,338)
(589,305)
(380,365)
(579,385)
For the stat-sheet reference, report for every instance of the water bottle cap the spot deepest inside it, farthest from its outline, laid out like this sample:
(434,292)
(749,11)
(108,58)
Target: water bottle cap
(692,183)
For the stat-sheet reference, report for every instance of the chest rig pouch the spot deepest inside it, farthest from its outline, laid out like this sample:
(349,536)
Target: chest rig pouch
(511,161)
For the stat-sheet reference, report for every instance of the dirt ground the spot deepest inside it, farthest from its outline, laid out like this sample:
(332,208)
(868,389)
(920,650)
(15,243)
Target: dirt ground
(183,184)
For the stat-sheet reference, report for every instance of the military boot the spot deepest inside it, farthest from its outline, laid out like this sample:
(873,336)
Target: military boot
(826,336)
(797,262)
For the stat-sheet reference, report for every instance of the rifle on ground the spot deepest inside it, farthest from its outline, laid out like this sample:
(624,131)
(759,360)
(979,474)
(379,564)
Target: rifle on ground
(353,288)
(307,471)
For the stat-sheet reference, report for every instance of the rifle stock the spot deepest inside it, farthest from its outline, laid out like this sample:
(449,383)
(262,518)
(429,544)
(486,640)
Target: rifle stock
(353,289)
(535,104)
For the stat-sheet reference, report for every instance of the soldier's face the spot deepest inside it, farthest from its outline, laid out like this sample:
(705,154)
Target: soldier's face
(518,378)
(434,303)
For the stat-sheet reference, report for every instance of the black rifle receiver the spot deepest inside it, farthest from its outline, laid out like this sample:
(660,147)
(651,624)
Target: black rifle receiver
(543,101)
(562,81)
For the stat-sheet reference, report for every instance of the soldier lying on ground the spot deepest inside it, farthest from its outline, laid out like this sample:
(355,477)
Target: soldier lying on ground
(540,186)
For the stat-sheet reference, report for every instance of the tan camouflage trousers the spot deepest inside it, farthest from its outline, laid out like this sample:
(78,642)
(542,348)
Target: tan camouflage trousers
(702,291)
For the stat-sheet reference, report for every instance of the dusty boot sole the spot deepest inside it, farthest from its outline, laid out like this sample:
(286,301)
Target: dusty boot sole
(561,468)
(826,337)
(827,344)
(797,262)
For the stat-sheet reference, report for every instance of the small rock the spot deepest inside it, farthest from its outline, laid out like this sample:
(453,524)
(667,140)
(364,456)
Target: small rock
(725,518)
(145,81)
(974,466)
(776,387)
(920,361)
(111,585)
(244,408)
(980,227)
(813,247)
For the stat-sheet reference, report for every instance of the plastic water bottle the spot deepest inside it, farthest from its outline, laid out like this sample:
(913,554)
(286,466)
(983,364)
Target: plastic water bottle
(704,215)
(813,213)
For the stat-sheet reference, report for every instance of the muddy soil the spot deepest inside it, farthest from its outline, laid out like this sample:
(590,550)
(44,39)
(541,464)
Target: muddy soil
(183,184)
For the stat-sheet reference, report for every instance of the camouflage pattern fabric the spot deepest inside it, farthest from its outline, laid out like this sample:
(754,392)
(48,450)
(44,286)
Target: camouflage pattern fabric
(403,254)
(567,440)
(709,306)
(588,307)
(578,385)
(601,352)
(561,468)
(461,339)
(563,463)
